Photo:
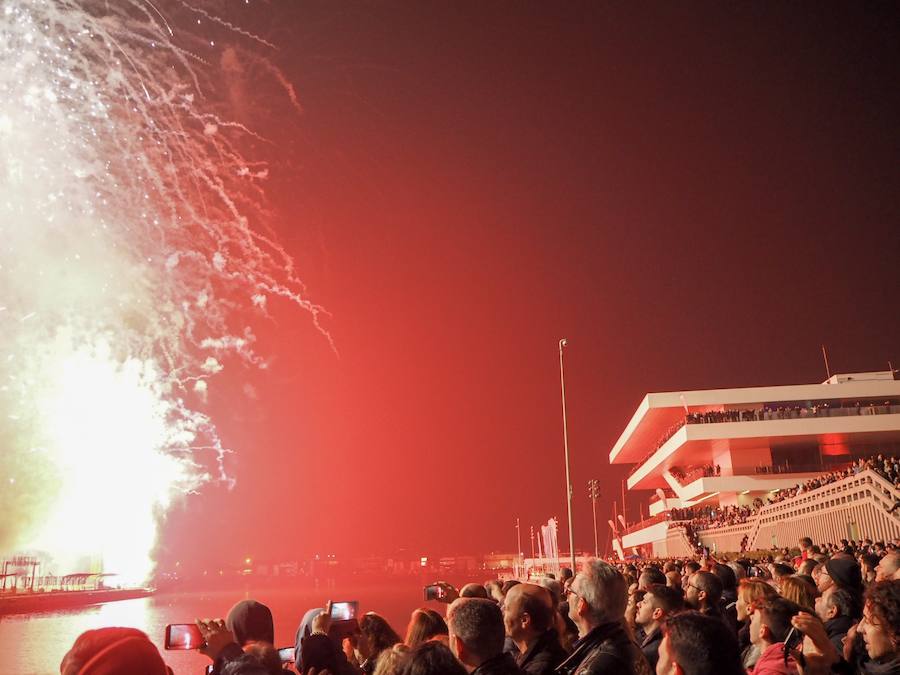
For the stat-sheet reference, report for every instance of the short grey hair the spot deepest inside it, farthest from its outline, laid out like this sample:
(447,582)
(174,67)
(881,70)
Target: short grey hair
(478,622)
(602,587)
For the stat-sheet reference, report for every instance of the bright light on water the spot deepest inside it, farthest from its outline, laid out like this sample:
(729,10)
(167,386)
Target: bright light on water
(130,257)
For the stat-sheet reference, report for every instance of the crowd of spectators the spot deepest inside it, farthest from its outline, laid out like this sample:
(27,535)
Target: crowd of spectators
(706,517)
(811,610)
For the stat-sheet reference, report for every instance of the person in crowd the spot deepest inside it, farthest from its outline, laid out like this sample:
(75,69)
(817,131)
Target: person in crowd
(751,591)
(821,577)
(729,594)
(740,572)
(770,624)
(845,574)
(806,567)
(375,635)
(634,598)
(704,593)
(695,644)
(391,661)
(673,580)
(528,618)
(834,608)
(566,629)
(597,607)
(248,624)
(477,635)
(508,584)
(473,590)
(880,627)
(888,567)
(659,603)
(780,572)
(494,588)
(425,624)
(868,562)
(805,547)
(259,658)
(111,651)
(432,658)
(651,575)
(799,591)
(251,621)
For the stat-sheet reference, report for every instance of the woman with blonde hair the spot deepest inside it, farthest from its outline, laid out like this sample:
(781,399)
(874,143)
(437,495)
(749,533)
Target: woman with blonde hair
(800,591)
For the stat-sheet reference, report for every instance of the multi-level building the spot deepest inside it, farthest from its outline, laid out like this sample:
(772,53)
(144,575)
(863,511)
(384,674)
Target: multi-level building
(722,466)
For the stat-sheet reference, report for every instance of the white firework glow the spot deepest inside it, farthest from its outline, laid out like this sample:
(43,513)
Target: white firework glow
(127,253)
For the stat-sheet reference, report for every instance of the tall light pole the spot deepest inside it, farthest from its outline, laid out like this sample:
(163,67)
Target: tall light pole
(562,385)
(594,494)
(520,556)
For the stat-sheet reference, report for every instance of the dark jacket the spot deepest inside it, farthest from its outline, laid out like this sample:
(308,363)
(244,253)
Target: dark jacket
(543,656)
(502,664)
(606,650)
(837,628)
(650,647)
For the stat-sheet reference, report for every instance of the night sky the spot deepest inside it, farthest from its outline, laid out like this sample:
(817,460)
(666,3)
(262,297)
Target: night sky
(695,195)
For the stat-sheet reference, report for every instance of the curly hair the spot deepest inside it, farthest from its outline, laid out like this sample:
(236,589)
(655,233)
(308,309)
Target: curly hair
(883,601)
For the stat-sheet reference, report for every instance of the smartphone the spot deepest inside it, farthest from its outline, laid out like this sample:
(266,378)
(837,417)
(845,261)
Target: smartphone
(183,636)
(286,654)
(344,610)
(435,592)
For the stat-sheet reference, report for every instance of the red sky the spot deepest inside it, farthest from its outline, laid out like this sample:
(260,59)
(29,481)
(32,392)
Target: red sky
(695,198)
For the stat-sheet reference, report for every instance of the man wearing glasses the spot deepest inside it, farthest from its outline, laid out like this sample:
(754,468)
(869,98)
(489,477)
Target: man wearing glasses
(597,606)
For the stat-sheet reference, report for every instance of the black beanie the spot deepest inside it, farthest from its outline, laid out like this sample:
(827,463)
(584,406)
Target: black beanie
(845,572)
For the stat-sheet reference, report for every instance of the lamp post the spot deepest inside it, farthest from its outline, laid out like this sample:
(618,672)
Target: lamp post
(594,494)
(562,385)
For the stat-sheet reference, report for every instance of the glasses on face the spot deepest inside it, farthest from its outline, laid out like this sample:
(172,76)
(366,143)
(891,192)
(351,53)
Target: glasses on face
(571,591)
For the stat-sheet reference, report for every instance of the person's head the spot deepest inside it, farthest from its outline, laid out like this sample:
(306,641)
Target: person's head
(250,621)
(880,625)
(780,572)
(695,644)
(375,635)
(806,567)
(424,624)
(597,595)
(391,661)
(690,567)
(805,543)
(888,566)
(432,658)
(259,658)
(673,580)
(821,577)
(494,589)
(651,575)
(740,572)
(473,590)
(750,591)
(845,573)
(476,630)
(554,587)
(868,562)
(565,573)
(834,602)
(771,621)
(509,583)
(528,612)
(799,591)
(658,603)
(704,591)
(105,651)
(726,576)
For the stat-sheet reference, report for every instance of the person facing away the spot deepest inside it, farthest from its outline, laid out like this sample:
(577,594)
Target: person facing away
(113,651)
(529,619)
(597,600)
(697,644)
(659,603)
(477,636)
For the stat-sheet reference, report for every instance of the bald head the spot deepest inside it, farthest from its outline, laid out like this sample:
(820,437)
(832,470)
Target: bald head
(528,612)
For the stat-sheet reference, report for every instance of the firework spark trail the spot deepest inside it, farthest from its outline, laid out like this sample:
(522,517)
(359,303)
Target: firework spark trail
(126,258)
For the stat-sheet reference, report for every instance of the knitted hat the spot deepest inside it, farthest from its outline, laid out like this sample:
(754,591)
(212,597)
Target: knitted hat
(845,572)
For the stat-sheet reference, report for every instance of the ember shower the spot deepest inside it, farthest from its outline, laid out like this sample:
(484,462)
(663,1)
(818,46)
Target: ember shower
(130,250)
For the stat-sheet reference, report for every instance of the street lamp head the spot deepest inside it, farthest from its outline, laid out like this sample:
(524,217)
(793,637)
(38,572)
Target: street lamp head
(563,343)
